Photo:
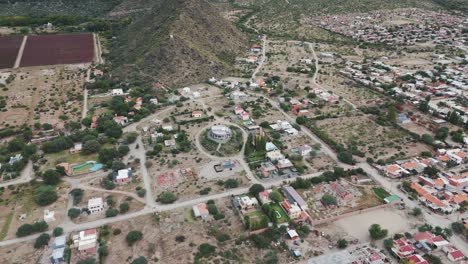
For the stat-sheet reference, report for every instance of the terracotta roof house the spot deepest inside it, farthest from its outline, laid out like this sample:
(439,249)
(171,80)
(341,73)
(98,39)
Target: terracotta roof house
(200,210)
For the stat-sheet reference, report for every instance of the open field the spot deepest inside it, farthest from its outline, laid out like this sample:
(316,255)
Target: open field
(9,47)
(58,49)
(375,141)
(50,95)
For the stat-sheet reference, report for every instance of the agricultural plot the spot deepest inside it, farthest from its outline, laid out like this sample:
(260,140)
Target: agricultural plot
(9,47)
(58,49)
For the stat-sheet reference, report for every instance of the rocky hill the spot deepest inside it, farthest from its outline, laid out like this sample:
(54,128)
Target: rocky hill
(177,42)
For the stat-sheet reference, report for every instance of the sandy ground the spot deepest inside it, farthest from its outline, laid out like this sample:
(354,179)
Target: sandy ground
(388,218)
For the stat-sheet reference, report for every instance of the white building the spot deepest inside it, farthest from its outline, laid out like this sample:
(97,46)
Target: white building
(220,132)
(95,205)
(116,92)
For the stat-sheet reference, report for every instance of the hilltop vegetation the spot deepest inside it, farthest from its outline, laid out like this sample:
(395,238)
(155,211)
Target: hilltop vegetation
(57,7)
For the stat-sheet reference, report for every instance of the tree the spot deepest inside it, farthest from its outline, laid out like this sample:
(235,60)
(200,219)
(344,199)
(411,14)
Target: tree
(231,183)
(131,137)
(123,150)
(433,259)
(275,196)
(133,237)
(431,171)
(428,139)
(442,133)
(329,199)
(58,231)
(24,230)
(111,212)
(124,207)
(74,213)
(346,157)
(51,177)
(167,197)
(206,250)
(140,260)
(91,146)
(87,261)
(255,189)
(301,120)
(45,195)
(417,211)
(388,243)
(458,228)
(42,241)
(376,232)
(342,243)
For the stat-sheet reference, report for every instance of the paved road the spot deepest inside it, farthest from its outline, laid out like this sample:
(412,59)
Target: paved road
(25,176)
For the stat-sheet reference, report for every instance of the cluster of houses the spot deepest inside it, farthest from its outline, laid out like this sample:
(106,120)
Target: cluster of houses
(241,113)
(422,26)
(187,92)
(422,243)
(447,86)
(441,160)
(293,205)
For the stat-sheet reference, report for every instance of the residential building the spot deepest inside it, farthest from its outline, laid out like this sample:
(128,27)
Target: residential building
(284,164)
(294,197)
(403,248)
(197,114)
(264,196)
(245,202)
(121,120)
(220,132)
(58,255)
(292,234)
(200,211)
(293,211)
(122,176)
(267,168)
(76,148)
(86,241)
(15,159)
(116,92)
(95,205)
(305,150)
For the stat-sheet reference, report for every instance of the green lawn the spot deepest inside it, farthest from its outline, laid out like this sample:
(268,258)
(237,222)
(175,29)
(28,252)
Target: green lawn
(257,220)
(6,226)
(381,193)
(282,217)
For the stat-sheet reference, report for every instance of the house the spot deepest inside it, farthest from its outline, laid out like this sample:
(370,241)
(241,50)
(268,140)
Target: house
(251,59)
(416,259)
(292,131)
(430,239)
(15,159)
(293,211)
(305,150)
(294,197)
(264,196)
(284,164)
(154,101)
(59,242)
(245,202)
(341,192)
(269,146)
(256,48)
(275,155)
(167,128)
(455,255)
(403,248)
(293,234)
(116,92)
(197,114)
(200,211)
(95,205)
(76,148)
(267,168)
(122,176)
(121,120)
(245,116)
(169,143)
(86,241)
(58,255)
(238,110)
(395,171)
(94,122)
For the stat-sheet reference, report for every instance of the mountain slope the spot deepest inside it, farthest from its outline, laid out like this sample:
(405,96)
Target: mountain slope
(57,7)
(178,42)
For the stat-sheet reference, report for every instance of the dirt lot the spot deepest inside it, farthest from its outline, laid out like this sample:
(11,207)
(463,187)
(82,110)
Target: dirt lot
(159,239)
(20,201)
(46,95)
(375,141)
(117,198)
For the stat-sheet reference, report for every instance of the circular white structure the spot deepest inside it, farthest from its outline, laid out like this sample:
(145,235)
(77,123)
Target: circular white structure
(220,132)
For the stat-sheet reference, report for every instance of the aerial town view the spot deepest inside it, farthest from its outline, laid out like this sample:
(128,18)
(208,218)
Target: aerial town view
(233,131)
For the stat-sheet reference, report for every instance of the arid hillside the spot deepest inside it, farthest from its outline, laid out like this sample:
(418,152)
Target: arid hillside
(178,42)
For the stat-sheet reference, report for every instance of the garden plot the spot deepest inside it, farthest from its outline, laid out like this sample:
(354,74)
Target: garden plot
(50,96)
(377,142)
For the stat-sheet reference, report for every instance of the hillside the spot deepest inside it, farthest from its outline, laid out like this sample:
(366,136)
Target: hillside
(57,7)
(178,42)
